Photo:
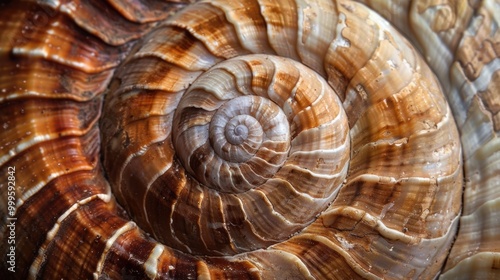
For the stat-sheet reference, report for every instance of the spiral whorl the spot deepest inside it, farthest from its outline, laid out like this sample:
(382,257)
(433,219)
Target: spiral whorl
(254,146)
(236,146)
(296,104)
(256,139)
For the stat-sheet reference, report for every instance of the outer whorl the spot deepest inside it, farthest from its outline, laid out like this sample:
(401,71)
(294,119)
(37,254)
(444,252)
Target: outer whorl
(249,139)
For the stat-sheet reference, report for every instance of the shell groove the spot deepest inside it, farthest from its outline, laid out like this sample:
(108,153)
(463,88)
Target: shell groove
(342,145)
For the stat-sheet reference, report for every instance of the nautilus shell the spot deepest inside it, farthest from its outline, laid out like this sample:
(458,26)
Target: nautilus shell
(249,139)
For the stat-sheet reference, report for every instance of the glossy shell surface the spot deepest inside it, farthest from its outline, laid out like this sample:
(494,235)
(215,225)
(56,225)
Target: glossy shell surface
(250,139)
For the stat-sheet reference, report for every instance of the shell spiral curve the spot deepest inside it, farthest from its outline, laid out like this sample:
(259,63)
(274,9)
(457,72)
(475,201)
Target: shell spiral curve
(255,139)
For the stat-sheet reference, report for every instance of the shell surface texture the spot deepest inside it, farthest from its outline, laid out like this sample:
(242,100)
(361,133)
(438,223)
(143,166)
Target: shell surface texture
(256,139)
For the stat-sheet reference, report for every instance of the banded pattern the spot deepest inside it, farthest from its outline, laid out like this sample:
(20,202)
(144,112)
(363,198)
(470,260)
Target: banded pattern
(202,194)
(461,42)
(369,142)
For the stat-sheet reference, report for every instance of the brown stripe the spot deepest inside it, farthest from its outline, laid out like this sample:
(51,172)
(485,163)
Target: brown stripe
(55,198)
(209,24)
(147,10)
(63,41)
(104,22)
(127,256)
(81,240)
(53,80)
(163,193)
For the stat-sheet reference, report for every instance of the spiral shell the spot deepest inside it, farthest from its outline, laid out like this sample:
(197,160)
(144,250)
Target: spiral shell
(249,139)
(234,154)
